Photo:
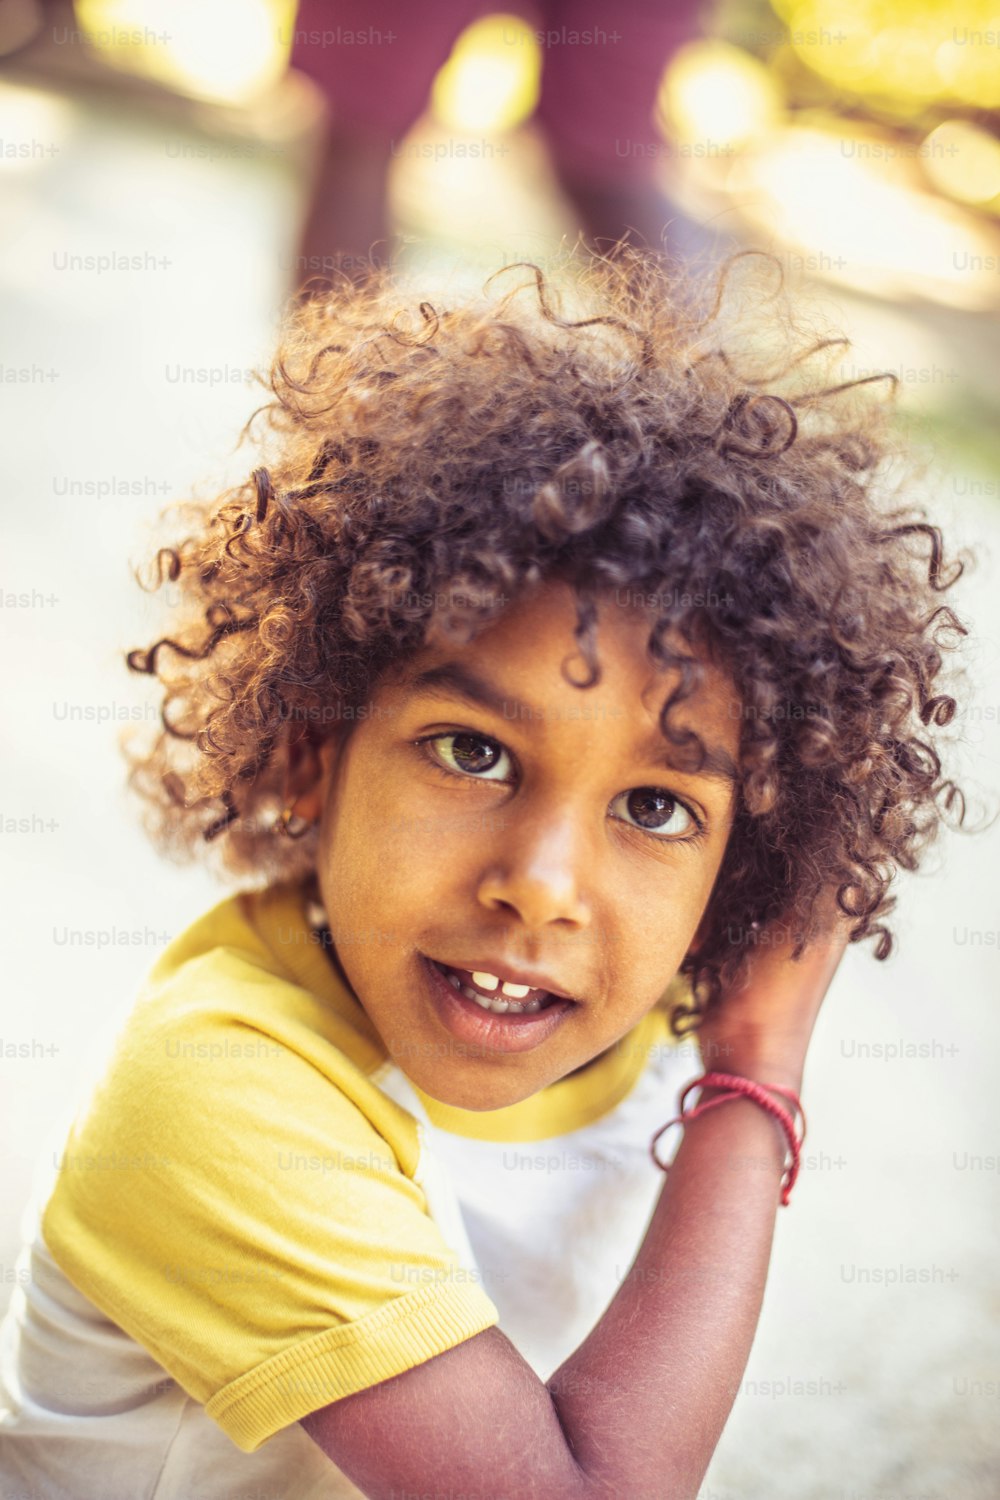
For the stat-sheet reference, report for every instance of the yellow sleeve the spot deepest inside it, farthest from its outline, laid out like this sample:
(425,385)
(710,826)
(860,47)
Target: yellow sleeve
(230,1208)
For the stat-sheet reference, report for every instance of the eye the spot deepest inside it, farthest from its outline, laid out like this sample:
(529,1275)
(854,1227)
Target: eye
(649,808)
(656,811)
(470,754)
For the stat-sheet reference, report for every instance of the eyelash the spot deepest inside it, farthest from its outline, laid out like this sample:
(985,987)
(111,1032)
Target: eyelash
(700,830)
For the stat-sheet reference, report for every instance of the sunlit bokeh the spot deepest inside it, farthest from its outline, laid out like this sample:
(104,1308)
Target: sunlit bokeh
(892,215)
(828,196)
(903,52)
(31,120)
(715,93)
(491,79)
(963,161)
(226,51)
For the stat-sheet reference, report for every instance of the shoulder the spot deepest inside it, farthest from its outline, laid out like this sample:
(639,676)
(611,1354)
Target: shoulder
(241,1198)
(241,1010)
(227,1074)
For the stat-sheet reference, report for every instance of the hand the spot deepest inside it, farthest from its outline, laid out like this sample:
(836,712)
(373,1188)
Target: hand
(763,1027)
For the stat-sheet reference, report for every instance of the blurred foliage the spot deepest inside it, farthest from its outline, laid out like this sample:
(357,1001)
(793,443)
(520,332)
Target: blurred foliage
(905,62)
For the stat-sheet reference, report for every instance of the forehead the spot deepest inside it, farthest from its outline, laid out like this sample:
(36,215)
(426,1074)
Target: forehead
(521,660)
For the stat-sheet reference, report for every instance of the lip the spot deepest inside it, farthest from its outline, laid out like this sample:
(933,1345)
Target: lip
(469,1023)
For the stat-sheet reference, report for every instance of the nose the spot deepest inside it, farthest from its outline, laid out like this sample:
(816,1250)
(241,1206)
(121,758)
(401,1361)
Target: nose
(540,869)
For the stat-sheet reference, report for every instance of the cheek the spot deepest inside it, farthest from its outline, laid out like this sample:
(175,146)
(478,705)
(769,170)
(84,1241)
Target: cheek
(383,843)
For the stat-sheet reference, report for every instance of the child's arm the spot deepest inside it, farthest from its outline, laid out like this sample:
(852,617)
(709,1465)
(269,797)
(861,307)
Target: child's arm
(639,1407)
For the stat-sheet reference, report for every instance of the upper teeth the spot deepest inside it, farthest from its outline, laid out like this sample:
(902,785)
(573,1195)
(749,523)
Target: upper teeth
(512,993)
(490,982)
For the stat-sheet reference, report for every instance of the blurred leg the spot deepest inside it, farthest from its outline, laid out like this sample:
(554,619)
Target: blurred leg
(375,61)
(347,227)
(602,71)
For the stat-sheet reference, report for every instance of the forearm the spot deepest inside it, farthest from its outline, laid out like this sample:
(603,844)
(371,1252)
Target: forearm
(638,1408)
(645,1397)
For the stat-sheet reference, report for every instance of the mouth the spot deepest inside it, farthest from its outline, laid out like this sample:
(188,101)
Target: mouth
(499,996)
(496,1012)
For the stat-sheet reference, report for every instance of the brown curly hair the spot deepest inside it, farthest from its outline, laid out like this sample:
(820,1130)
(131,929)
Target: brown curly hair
(683,439)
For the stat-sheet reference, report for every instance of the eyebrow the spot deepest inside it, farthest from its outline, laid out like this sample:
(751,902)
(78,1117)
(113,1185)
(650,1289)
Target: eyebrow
(451,679)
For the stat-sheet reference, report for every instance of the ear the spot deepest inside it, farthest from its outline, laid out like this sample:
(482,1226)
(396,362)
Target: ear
(310,767)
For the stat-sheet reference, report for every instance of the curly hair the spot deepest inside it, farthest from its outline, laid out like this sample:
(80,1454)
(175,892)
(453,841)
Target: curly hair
(686,439)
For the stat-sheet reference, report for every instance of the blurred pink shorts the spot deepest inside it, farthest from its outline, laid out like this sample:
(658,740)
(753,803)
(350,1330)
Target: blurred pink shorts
(601,67)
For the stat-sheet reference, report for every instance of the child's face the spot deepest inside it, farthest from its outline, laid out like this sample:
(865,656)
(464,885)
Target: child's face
(524,838)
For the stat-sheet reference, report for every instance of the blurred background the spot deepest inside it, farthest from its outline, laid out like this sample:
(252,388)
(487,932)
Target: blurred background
(170,174)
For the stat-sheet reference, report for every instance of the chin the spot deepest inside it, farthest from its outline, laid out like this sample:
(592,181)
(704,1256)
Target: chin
(475,1097)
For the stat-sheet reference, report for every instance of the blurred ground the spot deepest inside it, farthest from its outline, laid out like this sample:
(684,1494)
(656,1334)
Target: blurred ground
(876,1370)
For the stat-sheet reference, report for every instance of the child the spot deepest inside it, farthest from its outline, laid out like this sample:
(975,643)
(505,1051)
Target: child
(562,685)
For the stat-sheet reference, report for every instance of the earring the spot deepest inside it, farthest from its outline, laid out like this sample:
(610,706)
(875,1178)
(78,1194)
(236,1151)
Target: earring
(288,822)
(291,825)
(316,915)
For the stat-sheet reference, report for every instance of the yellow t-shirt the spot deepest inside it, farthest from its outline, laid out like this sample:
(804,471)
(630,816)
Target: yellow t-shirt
(242,1198)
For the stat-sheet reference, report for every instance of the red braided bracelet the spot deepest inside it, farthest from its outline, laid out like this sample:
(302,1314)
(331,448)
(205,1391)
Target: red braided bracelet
(738,1086)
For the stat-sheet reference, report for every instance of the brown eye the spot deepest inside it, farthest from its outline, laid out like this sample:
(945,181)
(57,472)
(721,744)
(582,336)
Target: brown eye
(658,812)
(472,754)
